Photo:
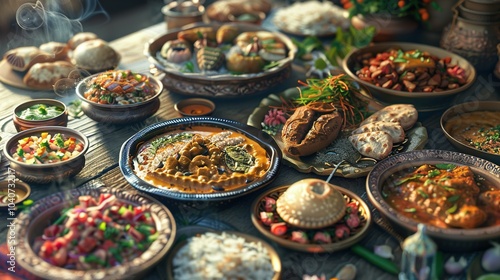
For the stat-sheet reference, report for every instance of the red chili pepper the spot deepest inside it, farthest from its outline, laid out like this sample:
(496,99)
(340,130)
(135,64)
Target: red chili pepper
(279,228)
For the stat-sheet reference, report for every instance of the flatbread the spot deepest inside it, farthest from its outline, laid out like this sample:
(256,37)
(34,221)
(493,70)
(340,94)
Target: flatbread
(377,144)
(404,114)
(395,130)
(43,76)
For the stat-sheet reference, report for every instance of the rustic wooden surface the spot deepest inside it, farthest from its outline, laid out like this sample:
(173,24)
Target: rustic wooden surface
(106,140)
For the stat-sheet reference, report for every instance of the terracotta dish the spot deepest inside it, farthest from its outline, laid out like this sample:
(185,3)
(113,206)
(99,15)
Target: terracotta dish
(59,116)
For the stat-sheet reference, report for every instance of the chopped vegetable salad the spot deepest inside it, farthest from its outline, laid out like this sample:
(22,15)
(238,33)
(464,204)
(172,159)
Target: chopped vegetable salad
(96,234)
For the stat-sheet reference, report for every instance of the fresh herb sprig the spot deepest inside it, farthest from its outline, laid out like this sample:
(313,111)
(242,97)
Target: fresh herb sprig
(337,90)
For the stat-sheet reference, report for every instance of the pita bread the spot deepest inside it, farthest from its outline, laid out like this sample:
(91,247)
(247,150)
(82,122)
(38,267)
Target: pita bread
(404,114)
(377,144)
(395,130)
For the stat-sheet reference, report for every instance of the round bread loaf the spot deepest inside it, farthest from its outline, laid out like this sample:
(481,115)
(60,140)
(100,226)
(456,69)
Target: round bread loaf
(79,38)
(95,56)
(311,128)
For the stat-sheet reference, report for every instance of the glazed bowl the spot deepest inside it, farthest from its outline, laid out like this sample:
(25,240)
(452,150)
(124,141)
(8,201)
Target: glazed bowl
(447,239)
(31,224)
(457,120)
(171,179)
(423,101)
(221,83)
(47,172)
(117,113)
(58,119)
(193,107)
(337,244)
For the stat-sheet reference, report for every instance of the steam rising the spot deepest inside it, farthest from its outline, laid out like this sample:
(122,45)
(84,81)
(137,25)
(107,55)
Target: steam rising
(58,21)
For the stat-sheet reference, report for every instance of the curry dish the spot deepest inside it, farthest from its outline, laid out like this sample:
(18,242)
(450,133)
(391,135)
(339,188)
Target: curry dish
(445,196)
(480,130)
(201,160)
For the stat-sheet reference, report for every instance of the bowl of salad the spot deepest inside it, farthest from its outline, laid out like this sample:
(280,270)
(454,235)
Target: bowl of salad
(119,96)
(93,233)
(40,112)
(46,154)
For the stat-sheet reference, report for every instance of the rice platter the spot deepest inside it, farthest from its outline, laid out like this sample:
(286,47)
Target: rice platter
(222,255)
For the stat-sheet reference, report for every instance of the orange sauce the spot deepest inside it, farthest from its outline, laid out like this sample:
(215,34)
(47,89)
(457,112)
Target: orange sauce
(196,109)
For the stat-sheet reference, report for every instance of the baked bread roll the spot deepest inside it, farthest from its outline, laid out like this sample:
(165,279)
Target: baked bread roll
(43,76)
(404,114)
(311,128)
(79,38)
(22,58)
(311,204)
(95,56)
(395,130)
(376,144)
(58,50)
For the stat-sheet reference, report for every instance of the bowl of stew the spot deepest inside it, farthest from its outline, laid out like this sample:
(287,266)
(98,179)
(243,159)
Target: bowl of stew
(40,112)
(474,128)
(93,233)
(119,96)
(426,76)
(46,154)
(456,195)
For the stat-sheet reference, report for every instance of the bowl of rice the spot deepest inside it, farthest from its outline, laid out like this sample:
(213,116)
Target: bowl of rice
(205,253)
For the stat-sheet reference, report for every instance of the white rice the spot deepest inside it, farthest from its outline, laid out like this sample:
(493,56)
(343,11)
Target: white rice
(222,256)
(311,18)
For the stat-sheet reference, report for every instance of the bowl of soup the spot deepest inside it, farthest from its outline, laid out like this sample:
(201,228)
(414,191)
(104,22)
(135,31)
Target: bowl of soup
(454,194)
(40,112)
(474,128)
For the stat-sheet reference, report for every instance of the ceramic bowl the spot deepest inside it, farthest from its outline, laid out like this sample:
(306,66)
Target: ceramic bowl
(221,84)
(193,107)
(481,16)
(30,224)
(48,172)
(423,101)
(119,114)
(337,244)
(459,112)
(447,239)
(13,191)
(22,123)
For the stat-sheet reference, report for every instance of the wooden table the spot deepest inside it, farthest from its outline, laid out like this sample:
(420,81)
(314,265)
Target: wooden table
(106,140)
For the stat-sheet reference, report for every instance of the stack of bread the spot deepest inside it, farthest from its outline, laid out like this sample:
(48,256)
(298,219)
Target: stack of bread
(43,66)
(376,134)
(316,125)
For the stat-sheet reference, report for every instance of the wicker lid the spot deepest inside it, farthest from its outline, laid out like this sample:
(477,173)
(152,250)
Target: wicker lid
(311,203)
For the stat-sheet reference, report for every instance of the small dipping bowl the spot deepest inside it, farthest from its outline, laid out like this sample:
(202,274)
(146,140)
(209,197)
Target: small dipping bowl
(13,191)
(56,120)
(194,107)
